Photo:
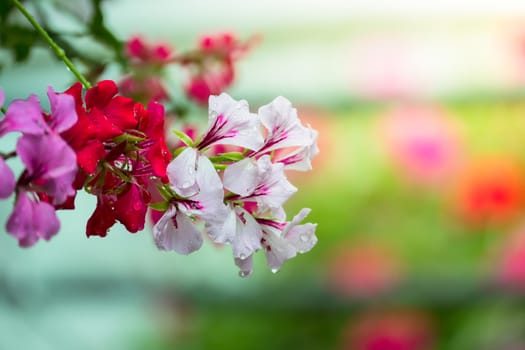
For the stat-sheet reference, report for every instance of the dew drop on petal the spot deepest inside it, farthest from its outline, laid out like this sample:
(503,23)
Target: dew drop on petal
(186,184)
(242,256)
(304,237)
(275,270)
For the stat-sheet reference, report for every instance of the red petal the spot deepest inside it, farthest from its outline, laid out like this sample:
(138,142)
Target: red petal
(101,94)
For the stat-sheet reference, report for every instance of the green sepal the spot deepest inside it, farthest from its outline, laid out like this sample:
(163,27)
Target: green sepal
(159,206)
(226,157)
(183,137)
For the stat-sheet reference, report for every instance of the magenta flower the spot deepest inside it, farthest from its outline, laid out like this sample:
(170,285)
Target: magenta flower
(51,165)
(7,183)
(31,221)
(26,115)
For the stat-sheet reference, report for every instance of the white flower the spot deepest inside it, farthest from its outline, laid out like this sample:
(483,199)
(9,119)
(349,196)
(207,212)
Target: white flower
(176,230)
(260,181)
(231,123)
(283,125)
(294,238)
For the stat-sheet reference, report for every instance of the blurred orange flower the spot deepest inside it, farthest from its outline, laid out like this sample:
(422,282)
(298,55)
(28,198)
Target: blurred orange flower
(490,191)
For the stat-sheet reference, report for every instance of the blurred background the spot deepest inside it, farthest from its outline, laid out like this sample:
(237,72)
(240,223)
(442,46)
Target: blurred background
(418,191)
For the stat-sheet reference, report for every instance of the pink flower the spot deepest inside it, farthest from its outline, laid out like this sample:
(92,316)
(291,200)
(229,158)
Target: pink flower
(422,142)
(32,220)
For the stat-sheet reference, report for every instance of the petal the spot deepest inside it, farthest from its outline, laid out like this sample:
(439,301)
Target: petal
(302,237)
(182,173)
(130,208)
(102,218)
(7,179)
(24,116)
(63,113)
(222,231)
(277,250)
(100,95)
(301,158)
(241,177)
(89,156)
(247,237)
(175,231)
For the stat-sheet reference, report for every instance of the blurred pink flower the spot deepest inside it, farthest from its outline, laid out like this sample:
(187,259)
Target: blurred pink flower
(423,142)
(510,269)
(390,330)
(363,269)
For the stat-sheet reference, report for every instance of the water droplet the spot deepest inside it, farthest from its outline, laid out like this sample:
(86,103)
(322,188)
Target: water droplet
(137,205)
(244,273)
(304,237)
(275,270)
(242,256)
(191,171)
(186,184)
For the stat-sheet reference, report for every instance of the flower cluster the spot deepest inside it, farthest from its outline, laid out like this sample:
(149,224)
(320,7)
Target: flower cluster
(46,183)
(121,151)
(143,81)
(211,66)
(115,148)
(239,195)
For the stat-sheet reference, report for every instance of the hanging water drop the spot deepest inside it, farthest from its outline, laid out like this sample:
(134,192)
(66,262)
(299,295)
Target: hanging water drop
(274,270)
(244,273)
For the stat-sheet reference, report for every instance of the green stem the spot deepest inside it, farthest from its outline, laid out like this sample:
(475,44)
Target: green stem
(58,50)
